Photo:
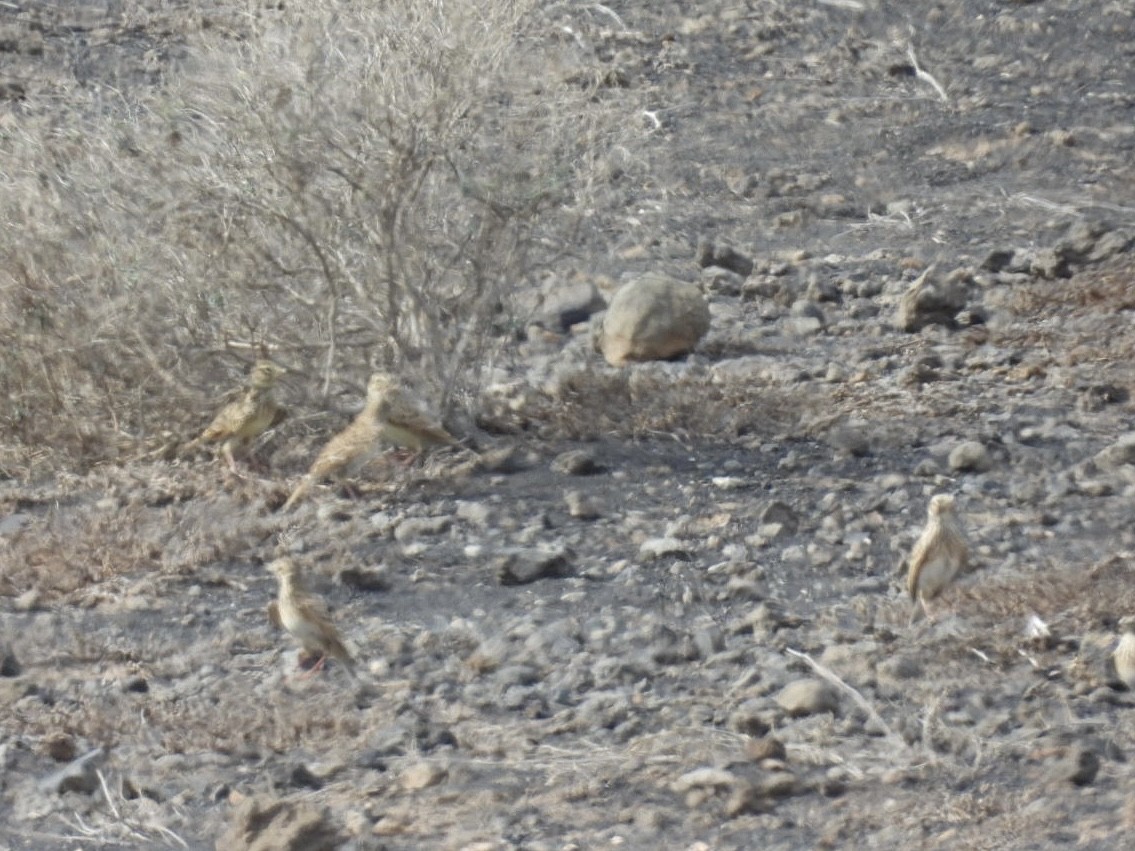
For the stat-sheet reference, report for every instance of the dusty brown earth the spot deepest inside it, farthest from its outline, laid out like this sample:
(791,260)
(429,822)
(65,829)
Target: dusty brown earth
(602,650)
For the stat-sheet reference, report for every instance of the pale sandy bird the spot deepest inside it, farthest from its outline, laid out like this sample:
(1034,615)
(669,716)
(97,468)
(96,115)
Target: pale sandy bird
(350,450)
(306,618)
(388,415)
(1124,655)
(240,422)
(939,556)
(403,420)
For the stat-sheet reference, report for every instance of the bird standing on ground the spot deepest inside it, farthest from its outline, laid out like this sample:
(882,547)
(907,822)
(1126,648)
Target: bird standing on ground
(403,421)
(1124,655)
(939,556)
(306,618)
(348,451)
(388,415)
(240,422)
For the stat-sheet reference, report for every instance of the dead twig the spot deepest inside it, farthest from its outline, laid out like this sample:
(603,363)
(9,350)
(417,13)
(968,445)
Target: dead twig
(856,696)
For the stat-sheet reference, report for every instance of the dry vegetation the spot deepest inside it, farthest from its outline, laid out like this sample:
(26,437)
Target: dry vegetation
(345,185)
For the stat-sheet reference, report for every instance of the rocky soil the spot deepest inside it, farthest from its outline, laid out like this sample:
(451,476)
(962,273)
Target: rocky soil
(672,614)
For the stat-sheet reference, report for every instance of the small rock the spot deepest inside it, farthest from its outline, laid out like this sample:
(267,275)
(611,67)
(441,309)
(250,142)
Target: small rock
(60,747)
(779,512)
(504,460)
(420,527)
(302,777)
(701,778)
(28,601)
(802,326)
(901,667)
(1096,397)
(768,747)
(1078,766)
(850,441)
(746,799)
(522,566)
(779,784)
(656,548)
(422,775)
(929,303)
(582,507)
(567,304)
(135,685)
(752,719)
(77,776)
(577,462)
(725,257)
(1119,453)
(971,457)
(14,522)
(361,579)
(808,697)
(709,641)
(9,664)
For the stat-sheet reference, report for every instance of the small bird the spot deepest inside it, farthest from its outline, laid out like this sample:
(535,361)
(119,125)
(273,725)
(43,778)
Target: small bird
(348,451)
(938,557)
(240,422)
(404,422)
(387,415)
(1124,655)
(306,618)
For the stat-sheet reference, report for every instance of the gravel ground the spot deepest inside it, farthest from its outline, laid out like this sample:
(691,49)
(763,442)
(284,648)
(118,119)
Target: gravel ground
(675,616)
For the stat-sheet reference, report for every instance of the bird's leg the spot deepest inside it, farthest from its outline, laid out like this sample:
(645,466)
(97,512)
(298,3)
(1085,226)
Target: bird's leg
(314,669)
(926,609)
(227,452)
(406,457)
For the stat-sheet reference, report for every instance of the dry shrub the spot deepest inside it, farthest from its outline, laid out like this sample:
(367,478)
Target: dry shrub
(346,185)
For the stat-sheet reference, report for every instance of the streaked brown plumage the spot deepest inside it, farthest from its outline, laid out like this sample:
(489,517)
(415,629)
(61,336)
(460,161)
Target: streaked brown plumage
(1124,655)
(939,555)
(389,415)
(348,451)
(305,617)
(240,422)
(404,422)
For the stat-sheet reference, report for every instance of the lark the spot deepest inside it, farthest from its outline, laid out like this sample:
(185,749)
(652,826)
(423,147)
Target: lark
(389,416)
(240,422)
(1124,655)
(403,420)
(939,556)
(306,618)
(348,451)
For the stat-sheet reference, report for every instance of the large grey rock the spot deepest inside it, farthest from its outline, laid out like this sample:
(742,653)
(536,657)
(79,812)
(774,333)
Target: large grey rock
(652,318)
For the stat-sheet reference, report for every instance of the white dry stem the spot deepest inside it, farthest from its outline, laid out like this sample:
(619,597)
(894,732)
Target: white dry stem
(856,696)
(924,75)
